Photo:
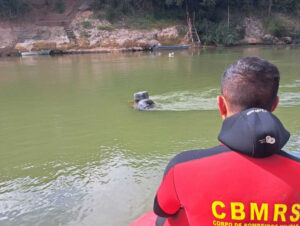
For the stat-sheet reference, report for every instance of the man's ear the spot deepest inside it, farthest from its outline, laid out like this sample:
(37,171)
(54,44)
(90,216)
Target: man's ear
(275,104)
(222,106)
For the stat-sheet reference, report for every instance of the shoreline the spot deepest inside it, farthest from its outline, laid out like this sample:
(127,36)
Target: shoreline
(14,53)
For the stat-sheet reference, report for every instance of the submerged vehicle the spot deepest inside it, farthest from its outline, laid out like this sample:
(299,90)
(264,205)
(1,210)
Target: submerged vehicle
(142,101)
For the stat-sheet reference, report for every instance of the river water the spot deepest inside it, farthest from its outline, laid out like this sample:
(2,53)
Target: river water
(73,151)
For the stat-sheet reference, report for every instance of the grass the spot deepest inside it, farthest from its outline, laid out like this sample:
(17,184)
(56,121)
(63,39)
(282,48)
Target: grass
(86,24)
(108,28)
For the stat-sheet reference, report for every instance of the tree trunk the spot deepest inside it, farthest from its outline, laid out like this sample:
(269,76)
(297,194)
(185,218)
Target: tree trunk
(228,20)
(189,22)
(270,7)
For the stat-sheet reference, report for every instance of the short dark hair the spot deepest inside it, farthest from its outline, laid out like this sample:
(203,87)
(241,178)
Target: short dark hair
(250,82)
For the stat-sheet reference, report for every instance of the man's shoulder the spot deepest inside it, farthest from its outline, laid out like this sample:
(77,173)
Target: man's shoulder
(191,155)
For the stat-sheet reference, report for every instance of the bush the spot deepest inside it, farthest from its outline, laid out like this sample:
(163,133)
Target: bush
(112,14)
(295,35)
(106,12)
(13,8)
(275,27)
(59,6)
(211,33)
(86,24)
(287,6)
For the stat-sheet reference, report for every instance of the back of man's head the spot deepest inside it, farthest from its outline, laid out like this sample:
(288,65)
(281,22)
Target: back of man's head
(250,82)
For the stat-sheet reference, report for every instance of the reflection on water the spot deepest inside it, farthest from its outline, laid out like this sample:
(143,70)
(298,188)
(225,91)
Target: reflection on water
(75,194)
(30,199)
(186,101)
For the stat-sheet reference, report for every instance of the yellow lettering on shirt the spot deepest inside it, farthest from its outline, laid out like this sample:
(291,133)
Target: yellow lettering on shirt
(237,211)
(254,211)
(214,209)
(296,212)
(279,210)
(257,214)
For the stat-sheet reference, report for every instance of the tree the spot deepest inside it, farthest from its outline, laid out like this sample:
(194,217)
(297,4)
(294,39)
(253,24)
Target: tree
(270,7)
(12,8)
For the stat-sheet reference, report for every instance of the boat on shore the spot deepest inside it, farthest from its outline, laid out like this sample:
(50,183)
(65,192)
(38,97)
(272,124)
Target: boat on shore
(35,53)
(170,47)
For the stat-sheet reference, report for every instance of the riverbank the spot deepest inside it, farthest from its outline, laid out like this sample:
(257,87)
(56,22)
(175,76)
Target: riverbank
(78,30)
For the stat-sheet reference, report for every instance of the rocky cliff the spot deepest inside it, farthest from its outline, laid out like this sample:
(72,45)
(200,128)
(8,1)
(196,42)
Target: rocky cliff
(85,34)
(76,30)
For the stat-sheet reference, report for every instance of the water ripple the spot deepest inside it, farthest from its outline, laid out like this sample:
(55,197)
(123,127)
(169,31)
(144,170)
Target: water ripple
(289,99)
(186,101)
(31,199)
(293,145)
(206,100)
(295,84)
(76,193)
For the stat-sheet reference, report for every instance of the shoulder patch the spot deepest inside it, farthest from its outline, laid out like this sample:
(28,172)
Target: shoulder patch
(195,154)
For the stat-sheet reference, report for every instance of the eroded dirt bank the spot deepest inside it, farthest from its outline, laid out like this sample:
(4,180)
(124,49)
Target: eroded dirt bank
(77,30)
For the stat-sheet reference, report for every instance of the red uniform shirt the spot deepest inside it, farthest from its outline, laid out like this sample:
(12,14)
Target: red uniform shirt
(254,185)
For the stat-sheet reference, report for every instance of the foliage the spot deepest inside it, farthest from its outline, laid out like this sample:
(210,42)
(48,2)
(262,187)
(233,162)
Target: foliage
(204,9)
(59,6)
(287,5)
(105,28)
(212,33)
(148,21)
(209,15)
(275,27)
(13,8)
(295,35)
(86,24)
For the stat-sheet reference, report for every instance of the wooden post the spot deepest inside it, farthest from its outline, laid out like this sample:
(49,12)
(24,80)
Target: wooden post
(195,30)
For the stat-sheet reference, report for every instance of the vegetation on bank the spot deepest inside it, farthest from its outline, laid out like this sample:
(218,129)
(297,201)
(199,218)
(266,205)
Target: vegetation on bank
(217,21)
(59,5)
(10,9)
(13,8)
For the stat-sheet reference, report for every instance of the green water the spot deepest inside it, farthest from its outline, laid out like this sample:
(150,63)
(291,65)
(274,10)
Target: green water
(73,151)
